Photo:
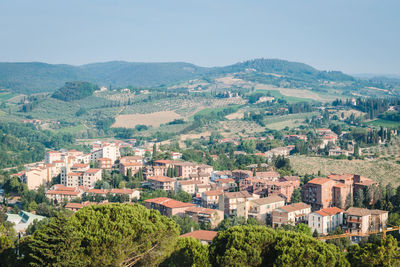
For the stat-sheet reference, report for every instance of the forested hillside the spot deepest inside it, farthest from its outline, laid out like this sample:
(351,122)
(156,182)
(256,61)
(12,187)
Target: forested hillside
(23,143)
(75,91)
(40,77)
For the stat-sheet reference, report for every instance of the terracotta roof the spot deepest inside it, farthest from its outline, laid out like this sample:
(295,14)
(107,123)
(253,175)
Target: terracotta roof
(61,187)
(329,211)
(340,185)
(58,161)
(80,165)
(358,211)
(133,164)
(93,171)
(104,159)
(75,174)
(169,203)
(213,193)
(295,206)
(164,161)
(189,182)
(122,191)
(62,192)
(268,200)
(162,179)
(319,181)
(201,210)
(267,174)
(97,191)
(240,194)
(202,235)
(291,178)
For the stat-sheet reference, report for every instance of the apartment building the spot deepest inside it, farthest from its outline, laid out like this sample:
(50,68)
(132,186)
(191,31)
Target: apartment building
(86,178)
(361,221)
(291,214)
(59,193)
(204,215)
(322,193)
(161,182)
(230,202)
(134,167)
(210,199)
(261,208)
(167,206)
(270,176)
(189,186)
(325,220)
(318,193)
(105,163)
(105,150)
(239,175)
(225,183)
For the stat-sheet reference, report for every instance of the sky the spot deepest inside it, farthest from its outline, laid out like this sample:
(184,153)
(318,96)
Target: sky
(354,36)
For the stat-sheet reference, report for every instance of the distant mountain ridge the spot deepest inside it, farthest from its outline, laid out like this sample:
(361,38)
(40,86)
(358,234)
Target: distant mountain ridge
(33,77)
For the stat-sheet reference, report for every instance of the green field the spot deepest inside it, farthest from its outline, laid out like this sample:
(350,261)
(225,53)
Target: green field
(72,129)
(4,96)
(383,123)
(208,111)
(278,95)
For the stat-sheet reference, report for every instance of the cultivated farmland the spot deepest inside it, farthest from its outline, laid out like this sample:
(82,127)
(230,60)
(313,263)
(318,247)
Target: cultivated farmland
(151,119)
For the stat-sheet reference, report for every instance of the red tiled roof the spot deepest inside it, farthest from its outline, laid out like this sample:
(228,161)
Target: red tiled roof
(62,192)
(329,211)
(295,206)
(213,193)
(169,203)
(104,159)
(202,235)
(162,179)
(122,191)
(319,181)
(75,174)
(93,171)
(133,164)
(98,191)
(189,182)
(80,165)
(201,210)
(267,174)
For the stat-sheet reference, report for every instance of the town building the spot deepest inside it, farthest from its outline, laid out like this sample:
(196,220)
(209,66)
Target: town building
(291,214)
(167,206)
(261,208)
(201,215)
(189,186)
(361,221)
(161,182)
(210,199)
(231,201)
(105,163)
(205,237)
(325,220)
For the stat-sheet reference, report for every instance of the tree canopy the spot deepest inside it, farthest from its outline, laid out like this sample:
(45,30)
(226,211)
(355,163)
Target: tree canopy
(103,235)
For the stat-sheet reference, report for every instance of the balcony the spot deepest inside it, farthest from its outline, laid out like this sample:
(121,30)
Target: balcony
(353,220)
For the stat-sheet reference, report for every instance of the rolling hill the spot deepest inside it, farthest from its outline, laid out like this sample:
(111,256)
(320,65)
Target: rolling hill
(34,77)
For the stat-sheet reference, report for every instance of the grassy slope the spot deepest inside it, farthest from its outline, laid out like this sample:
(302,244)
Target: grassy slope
(378,170)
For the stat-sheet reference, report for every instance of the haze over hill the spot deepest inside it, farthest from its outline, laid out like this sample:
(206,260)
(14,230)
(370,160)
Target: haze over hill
(34,77)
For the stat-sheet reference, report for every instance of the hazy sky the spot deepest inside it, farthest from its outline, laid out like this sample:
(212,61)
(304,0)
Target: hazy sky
(355,36)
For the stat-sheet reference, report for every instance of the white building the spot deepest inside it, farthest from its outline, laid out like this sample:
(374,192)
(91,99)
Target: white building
(325,220)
